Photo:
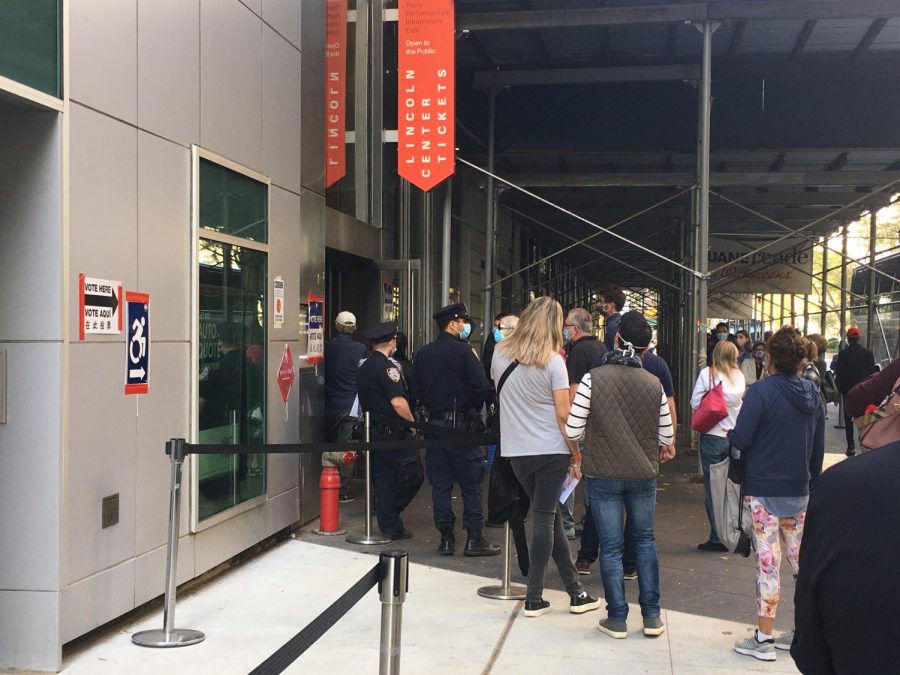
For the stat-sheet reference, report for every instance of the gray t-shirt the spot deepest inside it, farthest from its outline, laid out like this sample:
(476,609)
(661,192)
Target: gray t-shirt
(528,423)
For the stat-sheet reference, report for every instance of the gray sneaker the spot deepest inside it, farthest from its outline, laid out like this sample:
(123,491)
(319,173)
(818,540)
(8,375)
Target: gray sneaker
(764,651)
(615,628)
(785,640)
(653,626)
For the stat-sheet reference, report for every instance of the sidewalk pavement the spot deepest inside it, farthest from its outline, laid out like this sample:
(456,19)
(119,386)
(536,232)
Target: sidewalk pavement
(250,611)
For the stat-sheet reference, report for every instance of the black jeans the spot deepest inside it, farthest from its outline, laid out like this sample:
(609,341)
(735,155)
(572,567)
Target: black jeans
(848,425)
(541,476)
(339,427)
(463,466)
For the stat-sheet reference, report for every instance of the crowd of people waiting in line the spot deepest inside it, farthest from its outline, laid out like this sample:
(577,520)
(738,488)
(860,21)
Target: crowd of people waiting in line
(573,406)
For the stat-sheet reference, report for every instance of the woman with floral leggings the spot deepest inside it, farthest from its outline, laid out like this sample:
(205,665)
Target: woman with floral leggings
(781,432)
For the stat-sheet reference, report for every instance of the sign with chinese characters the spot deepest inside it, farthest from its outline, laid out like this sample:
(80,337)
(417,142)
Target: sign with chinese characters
(285,376)
(425,91)
(137,346)
(99,304)
(785,267)
(315,329)
(278,302)
(335,90)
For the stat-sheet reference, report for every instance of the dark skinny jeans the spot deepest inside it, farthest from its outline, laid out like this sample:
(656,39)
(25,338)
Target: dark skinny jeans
(541,476)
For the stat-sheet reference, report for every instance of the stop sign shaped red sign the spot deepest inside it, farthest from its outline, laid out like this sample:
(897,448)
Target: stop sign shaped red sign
(286,374)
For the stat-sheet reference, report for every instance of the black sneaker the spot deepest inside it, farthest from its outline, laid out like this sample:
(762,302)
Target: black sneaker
(539,608)
(710,546)
(404,534)
(580,603)
(346,498)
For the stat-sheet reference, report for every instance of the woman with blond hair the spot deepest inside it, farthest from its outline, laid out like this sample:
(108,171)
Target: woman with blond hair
(713,444)
(533,394)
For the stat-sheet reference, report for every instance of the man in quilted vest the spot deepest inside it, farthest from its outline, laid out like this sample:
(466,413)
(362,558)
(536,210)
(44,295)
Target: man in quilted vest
(622,414)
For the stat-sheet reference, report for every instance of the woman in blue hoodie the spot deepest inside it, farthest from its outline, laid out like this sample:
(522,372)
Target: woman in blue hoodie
(781,431)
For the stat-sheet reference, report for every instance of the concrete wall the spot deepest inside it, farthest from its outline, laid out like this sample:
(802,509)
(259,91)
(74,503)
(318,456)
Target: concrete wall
(148,78)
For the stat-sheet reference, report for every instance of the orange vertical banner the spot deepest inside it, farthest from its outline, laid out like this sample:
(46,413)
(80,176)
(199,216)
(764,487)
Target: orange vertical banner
(425,91)
(335,90)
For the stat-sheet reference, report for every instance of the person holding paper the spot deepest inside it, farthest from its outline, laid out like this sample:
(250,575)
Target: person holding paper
(531,377)
(622,414)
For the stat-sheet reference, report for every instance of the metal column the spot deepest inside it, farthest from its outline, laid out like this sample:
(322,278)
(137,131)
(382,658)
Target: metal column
(426,281)
(490,196)
(870,300)
(822,299)
(806,314)
(701,258)
(446,244)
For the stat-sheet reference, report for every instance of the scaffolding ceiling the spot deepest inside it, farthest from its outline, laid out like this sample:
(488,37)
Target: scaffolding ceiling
(597,111)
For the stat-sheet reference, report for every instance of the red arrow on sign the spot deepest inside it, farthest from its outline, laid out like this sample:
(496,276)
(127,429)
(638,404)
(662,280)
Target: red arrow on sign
(286,374)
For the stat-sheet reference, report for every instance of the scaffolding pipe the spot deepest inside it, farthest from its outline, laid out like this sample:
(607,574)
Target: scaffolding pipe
(490,195)
(843,317)
(824,285)
(701,258)
(870,324)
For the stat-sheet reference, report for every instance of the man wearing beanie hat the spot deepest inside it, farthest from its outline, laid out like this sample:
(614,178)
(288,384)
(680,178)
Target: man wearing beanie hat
(622,414)
(855,364)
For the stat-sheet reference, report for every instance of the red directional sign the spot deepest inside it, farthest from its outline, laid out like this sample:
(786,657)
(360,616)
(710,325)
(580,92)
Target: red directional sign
(286,374)
(335,90)
(425,91)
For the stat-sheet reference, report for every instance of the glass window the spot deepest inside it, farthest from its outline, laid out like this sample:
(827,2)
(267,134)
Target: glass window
(29,43)
(232,203)
(232,340)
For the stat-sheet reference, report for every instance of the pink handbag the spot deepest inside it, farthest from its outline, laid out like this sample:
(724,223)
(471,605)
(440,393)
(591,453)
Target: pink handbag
(711,411)
(882,426)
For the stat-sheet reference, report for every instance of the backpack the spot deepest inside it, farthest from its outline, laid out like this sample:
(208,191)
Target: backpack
(829,388)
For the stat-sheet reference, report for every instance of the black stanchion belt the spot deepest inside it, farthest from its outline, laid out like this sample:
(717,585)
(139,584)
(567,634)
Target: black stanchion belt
(455,440)
(306,638)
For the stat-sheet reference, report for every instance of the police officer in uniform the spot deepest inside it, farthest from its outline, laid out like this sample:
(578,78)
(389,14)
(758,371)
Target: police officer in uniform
(397,475)
(453,387)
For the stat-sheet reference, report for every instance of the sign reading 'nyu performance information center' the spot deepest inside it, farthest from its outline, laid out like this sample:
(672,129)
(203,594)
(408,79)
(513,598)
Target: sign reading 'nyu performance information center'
(425,91)
(785,267)
(335,90)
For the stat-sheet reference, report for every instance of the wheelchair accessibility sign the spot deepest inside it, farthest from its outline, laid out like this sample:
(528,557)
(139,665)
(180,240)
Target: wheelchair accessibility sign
(137,358)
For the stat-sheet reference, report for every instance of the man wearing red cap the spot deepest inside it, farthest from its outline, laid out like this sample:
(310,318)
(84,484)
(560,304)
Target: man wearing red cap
(855,364)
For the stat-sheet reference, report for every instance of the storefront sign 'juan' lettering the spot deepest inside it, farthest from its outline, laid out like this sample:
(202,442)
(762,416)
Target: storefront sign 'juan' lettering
(425,92)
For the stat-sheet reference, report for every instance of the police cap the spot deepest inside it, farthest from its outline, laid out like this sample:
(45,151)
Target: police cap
(383,332)
(451,312)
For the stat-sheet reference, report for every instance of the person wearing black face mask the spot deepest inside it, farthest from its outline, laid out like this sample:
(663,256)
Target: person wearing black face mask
(754,368)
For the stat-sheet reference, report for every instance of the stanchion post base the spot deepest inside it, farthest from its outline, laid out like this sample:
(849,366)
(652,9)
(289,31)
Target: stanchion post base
(368,541)
(328,534)
(180,637)
(513,592)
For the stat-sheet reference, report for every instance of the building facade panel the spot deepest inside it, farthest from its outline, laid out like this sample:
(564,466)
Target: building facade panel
(283,16)
(102,205)
(97,599)
(281,110)
(231,82)
(103,53)
(169,68)
(164,234)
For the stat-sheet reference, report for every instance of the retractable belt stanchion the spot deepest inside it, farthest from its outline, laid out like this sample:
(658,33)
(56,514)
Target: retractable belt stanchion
(506,591)
(368,539)
(170,636)
(392,590)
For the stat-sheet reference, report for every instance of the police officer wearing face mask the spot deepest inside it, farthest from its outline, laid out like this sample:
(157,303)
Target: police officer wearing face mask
(396,474)
(453,387)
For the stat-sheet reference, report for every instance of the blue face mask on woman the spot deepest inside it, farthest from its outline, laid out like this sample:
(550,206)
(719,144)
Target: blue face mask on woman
(721,336)
(498,335)
(466,331)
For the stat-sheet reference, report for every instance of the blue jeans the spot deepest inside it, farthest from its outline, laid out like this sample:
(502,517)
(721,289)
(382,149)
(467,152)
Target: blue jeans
(610,501)
(713,449)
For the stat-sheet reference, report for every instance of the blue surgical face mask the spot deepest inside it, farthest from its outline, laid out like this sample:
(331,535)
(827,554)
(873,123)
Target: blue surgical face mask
(721,336)
(566,336)
(498,335)
(466,331)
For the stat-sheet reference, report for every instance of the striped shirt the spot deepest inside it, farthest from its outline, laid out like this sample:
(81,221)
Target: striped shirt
(576,424)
